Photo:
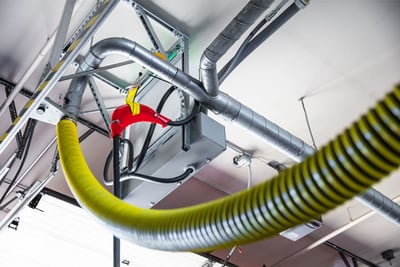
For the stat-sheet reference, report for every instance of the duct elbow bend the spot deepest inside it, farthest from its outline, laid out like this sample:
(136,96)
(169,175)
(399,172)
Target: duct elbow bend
(114,45)
(209,76)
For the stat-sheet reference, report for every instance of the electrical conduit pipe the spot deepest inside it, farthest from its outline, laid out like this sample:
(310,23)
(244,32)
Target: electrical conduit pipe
(359,157)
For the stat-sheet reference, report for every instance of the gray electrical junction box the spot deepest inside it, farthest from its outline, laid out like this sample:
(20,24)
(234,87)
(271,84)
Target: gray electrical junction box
(169,156)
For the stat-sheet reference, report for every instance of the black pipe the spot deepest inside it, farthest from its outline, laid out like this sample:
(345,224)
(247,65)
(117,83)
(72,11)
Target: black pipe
(348,253)
(117,193)
(258,40)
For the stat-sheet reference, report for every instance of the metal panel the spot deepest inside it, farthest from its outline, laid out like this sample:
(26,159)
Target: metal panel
(207,142)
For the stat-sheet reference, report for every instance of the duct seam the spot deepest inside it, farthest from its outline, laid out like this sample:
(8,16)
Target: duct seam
(302,183)
(283,200)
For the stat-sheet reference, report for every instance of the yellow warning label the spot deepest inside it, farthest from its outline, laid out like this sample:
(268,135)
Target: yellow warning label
(43,85)
(91,21)
(3,137)
(16,120)
(29,103)
(74,44)
(58,66)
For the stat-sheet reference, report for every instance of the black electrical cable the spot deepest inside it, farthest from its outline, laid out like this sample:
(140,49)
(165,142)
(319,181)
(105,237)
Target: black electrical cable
(107,166)
(150,132)
(228,68)
(146,145)
(195,110)
(152,127)
(27,93)
(110,157)
(117,192)
(133,175)
(130,153)
(168,180)
(258,40)
(28,134)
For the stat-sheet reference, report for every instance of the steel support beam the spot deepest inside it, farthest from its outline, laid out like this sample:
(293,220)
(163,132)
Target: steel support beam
(45,86)
(100,103)
(149,29)
(61,35)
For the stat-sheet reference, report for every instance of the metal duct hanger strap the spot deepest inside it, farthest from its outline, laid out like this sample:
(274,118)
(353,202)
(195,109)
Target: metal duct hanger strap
(318,184)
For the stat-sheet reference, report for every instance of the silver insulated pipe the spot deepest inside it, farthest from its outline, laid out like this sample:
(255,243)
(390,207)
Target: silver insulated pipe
(224,41)
(223,105)
(257,124)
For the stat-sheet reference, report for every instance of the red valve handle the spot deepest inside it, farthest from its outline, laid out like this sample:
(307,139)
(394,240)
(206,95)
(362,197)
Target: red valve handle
(123,117)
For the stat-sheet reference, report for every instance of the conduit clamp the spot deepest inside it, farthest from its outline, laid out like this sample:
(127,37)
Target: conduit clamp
(130,100)
(123,117)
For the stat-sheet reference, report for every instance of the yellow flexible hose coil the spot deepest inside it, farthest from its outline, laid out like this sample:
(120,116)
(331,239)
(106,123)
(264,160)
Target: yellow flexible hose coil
(363,154)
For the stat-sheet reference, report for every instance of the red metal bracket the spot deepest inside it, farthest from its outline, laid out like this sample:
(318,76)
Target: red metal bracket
(123,117)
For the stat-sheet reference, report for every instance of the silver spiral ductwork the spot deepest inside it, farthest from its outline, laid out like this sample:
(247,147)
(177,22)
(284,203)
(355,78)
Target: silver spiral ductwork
(223,105)
(382,204)
(224,41)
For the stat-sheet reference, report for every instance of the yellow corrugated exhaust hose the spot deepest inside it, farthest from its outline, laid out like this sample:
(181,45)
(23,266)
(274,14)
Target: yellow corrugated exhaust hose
(359,157)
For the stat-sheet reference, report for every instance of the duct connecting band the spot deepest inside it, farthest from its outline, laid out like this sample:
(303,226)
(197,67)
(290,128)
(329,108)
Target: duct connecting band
(363,154)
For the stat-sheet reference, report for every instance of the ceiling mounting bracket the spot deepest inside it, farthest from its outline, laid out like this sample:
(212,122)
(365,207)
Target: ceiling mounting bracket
(48,112)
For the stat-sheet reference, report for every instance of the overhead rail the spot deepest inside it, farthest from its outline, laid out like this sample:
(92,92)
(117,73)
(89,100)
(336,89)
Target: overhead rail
(48,83)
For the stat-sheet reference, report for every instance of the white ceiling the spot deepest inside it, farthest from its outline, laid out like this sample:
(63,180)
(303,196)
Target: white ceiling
(340,56)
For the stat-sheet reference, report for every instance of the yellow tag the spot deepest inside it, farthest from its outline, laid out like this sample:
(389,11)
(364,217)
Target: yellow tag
(130,100)
(160,55)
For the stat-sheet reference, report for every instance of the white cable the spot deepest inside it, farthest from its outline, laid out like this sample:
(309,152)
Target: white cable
(249,176)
